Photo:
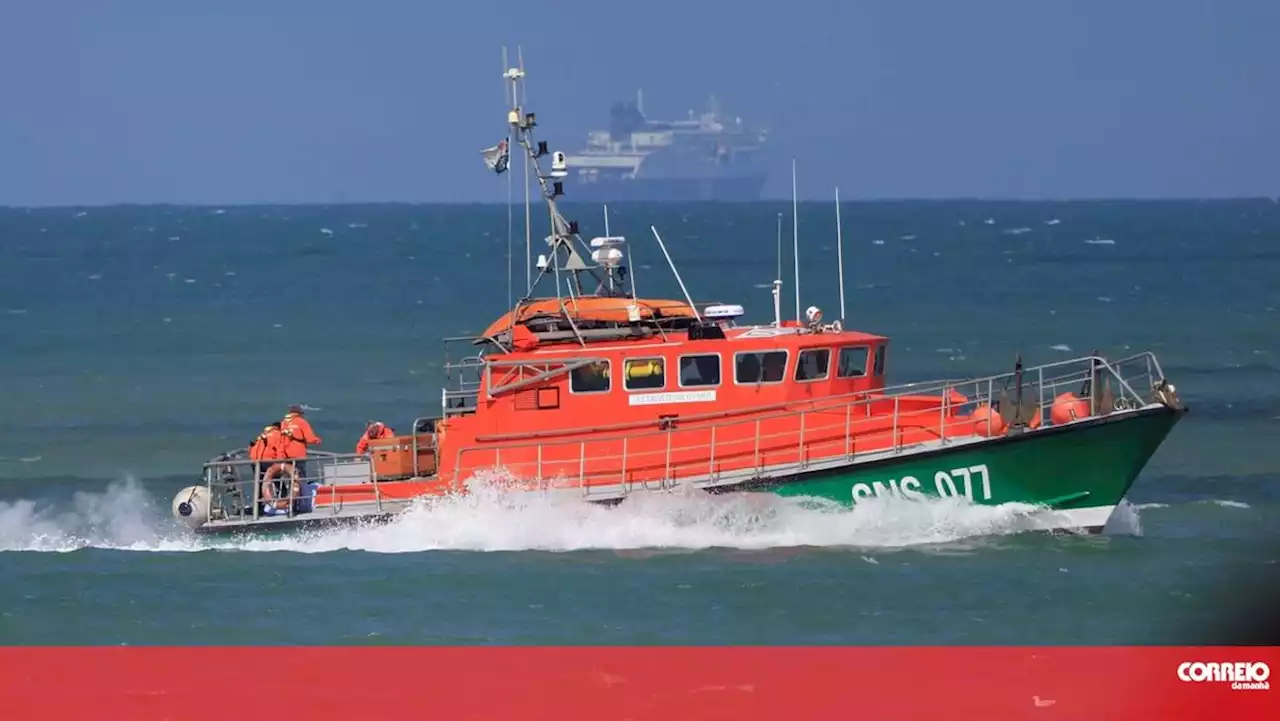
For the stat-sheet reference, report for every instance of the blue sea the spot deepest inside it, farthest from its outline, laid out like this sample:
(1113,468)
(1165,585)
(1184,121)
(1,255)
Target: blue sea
(140,341)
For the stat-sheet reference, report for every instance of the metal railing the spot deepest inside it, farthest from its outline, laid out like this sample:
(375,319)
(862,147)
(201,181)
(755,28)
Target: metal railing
(714,447)
(235,483)
(463,379)
(772,440)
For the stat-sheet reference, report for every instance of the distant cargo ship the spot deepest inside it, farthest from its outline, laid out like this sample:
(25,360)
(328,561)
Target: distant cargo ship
(706,157)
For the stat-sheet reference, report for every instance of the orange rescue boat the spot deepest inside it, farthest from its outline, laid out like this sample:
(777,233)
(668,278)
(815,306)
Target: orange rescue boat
(599,394)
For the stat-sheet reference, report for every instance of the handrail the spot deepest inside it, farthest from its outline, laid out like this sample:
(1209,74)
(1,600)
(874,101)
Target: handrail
(240,455)
(862,397)
(901,418)
(830,430)
(663,452)
(238,480)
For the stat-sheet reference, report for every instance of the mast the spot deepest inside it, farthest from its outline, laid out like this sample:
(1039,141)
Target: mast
(840,254)
(510,224)
(777,281)
(779,275)
(519,101)
(510,249)
(603,259)
(606,234)
(795,235)
(564,257)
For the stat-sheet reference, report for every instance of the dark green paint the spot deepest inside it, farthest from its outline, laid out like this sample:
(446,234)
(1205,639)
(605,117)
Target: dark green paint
(1086,465)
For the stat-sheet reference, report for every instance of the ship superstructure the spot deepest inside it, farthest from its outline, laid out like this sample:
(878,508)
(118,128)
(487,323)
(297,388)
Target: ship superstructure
(707,156)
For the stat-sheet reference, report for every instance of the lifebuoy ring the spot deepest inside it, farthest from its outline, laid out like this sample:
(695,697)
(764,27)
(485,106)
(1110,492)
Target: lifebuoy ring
(269,481)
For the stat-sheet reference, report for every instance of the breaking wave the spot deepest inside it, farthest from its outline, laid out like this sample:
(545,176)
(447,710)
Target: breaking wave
(125,517)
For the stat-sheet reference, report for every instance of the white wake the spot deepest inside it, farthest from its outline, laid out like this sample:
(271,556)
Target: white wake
(124,517)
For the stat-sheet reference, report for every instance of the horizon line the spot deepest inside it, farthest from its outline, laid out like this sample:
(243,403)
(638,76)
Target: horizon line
(624,203)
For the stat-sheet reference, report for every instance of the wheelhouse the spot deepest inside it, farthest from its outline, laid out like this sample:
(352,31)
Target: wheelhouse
(662,377)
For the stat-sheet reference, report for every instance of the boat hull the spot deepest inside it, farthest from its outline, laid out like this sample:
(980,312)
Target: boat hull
(1078,473)
(1074,475)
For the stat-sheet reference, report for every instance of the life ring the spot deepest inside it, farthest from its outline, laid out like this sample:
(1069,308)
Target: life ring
(274,472)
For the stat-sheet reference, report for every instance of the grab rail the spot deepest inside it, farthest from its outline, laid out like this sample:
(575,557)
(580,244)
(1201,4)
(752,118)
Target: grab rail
(911,404)
(722,445)
(234,479)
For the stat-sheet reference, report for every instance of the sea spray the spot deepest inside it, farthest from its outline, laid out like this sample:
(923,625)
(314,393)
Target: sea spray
(490,518)
(120,516)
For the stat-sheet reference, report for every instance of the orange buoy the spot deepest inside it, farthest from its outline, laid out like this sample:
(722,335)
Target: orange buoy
(1068,407)
(986,422)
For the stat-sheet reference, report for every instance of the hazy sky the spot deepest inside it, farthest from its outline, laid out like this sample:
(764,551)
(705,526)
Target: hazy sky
(386,100)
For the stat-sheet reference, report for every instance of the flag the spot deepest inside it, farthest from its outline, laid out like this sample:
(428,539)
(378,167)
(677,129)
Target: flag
(497,157)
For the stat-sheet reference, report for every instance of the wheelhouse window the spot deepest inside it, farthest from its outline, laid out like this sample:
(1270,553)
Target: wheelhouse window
(760,367)
(853,362)
(593,378)
(813,364)
(644,374)
(699,370)
(880,360)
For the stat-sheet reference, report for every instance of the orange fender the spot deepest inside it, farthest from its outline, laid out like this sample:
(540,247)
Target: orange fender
(988,423)
(1068,407)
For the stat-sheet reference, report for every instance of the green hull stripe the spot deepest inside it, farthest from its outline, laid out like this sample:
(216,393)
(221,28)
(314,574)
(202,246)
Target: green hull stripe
(1088,463)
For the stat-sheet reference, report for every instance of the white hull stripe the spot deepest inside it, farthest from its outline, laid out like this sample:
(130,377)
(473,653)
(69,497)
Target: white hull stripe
(1091,518)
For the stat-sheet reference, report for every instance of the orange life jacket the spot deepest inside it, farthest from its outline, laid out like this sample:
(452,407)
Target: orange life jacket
(268,446)
(384,432)
(297,436)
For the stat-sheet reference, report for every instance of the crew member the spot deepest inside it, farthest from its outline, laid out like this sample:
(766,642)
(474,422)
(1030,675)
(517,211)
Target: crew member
(267,450)
(376,430)
(297,436)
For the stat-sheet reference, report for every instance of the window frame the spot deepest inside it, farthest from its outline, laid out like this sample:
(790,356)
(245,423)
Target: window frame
(866,360)
(719,368)
(608,364)
(638,359)
(800,360)
(786,354)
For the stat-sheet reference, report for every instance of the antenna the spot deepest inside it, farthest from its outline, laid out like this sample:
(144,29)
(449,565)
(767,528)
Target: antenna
(840,254)
(634,293)
(677,273)
(510,249)
(795,235)
(521,101)
(777,281)
(606,234)
(510,224)
(779,275)
(777,303)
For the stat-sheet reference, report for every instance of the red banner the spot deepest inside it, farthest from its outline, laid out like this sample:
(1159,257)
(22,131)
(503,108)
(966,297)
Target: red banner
(637,684)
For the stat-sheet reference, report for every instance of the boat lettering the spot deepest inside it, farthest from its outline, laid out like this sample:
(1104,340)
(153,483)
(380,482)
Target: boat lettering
(972,482)
(906,487)
(654,399)
(945,483)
